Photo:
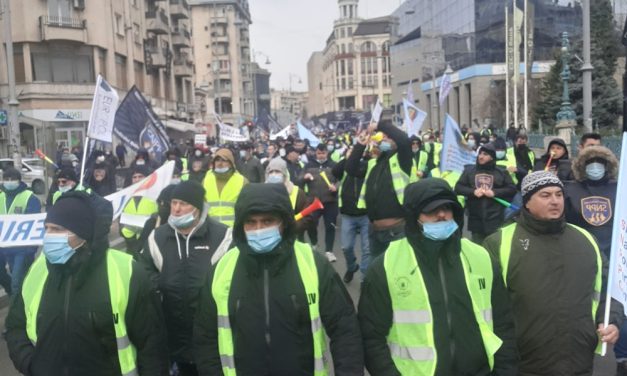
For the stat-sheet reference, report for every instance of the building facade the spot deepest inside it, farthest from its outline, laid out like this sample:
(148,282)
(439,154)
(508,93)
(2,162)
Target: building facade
(222,57)
(354,68)
(60,47)
(261,80)
(288,106)
(469,37)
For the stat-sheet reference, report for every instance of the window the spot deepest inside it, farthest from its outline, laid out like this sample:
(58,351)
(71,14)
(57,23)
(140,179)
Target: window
(120,71)
(342,35)
(60,8)
(63,64)
(349,32)
(18,62)
(139,75)
(137,37)
(119,25)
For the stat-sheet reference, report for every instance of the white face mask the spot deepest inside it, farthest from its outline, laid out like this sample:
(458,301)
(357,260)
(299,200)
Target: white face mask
(140,162)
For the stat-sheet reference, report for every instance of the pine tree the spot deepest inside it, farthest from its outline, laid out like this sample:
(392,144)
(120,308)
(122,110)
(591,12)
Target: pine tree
(550,93)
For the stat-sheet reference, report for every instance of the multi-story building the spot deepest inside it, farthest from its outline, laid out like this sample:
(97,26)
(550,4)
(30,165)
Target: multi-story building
(261,80)
(60,47)
(288,106)
(469,37)
(354,69)
(223,57)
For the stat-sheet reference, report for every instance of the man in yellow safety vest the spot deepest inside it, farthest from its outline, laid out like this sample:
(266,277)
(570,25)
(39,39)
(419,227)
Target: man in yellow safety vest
(222,187)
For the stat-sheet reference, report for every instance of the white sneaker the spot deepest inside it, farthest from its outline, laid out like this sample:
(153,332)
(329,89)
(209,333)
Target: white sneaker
(331,257)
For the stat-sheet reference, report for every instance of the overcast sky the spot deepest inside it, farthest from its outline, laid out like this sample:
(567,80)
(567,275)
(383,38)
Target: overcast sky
(289,31)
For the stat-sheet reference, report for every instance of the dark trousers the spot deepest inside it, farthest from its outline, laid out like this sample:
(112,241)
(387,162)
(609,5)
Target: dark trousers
(329,214)
(5,278)
(380,240)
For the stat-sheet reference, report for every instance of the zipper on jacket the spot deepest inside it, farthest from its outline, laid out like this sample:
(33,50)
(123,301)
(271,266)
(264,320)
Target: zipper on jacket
(66,309)
(446,307)
(266,300)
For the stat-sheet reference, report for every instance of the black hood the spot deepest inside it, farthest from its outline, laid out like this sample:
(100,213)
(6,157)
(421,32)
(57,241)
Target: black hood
(263,198)
(560,142)
(418,195)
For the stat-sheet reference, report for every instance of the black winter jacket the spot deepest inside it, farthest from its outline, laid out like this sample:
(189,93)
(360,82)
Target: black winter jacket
(351,187)
(318,187)
(179,266)
(268,307)
(75,331)
(458,341)
(485,215)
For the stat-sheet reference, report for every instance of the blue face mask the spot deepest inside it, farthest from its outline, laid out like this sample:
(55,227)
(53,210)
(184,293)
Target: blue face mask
(500,154)
(471,143)
(595,171)
(274,179)
(439,230)
(182,222)
(11,185)
(221,170)
(57,249)
(264,240)
(385,146)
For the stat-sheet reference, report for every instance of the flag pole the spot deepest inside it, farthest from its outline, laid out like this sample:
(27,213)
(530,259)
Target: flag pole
(85,146)
(525,84)
(507,62)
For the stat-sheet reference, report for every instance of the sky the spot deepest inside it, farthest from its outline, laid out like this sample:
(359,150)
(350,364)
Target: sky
(289,31)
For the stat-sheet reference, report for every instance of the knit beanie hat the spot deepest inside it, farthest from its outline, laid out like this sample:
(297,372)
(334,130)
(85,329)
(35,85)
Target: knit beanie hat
(11,173)
(74,214)
(225,154)
(67,174)
(537,180)
(191,192)
(277,164)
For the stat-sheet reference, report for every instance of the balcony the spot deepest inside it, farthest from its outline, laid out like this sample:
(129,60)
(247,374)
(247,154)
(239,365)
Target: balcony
(219,20)
(157,22)
(154,57)
(220,38)
(183,67)
(63,28)
(181,38)
(179,9)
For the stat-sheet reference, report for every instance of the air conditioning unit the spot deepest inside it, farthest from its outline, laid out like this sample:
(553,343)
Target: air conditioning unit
(79,4)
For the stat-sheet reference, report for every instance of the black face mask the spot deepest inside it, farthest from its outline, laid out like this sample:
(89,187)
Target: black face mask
(521,146)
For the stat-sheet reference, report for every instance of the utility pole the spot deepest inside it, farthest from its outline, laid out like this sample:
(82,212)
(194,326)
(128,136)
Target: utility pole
(587,69)
(14,126)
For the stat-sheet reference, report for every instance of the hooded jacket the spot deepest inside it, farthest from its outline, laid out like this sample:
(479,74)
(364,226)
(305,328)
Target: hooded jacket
(458,342)
(75,332)
(562,166)
(485,215)
(33,206)
(179,266)
(590,204)
(318,187)
(550,279)
(267,304)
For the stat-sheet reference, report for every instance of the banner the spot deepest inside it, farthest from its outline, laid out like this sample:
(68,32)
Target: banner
(138,126)
(305,134)
(28,229)
(414,118)
(284,133)
(102,114)
(228,133)
(445,88)
(376,112)
(455,153)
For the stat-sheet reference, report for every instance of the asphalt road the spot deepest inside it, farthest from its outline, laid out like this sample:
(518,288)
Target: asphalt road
(603,366)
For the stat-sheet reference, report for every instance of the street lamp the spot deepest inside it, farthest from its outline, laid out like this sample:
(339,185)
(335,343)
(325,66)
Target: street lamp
(300,81)
(259,53)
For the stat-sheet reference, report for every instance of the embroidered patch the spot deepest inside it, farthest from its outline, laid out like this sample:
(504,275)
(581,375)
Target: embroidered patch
(596,210)
(524,243)
(484,181)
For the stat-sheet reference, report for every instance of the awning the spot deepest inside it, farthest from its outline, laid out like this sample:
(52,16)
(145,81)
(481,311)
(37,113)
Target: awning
(178,125)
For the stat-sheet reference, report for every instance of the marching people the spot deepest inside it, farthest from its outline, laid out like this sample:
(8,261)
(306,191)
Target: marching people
(480,184)
(318,180)
(61,323)
(435,303)
(179,254)
(270,302)
(17,199)
(135,214)
(249,166)
(556,160)
(222,187)
(294,165)
(555,275)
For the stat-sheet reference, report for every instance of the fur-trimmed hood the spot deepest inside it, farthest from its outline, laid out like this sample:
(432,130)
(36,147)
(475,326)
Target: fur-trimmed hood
(579,163)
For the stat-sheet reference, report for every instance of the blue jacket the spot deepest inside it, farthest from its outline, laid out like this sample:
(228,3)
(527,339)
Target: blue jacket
(33,207)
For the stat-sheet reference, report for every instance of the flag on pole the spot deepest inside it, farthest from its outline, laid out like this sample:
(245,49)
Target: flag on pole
(103,109)
(284,133)
(414,118)
(410,92)
(455,153)
(305,134)
(376,112)
(445,88)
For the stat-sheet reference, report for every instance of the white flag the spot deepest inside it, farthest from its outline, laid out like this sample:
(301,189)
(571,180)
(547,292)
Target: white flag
(445,88)
(284,133)
(103,110)
(455,153)
(414,118)
(376,112)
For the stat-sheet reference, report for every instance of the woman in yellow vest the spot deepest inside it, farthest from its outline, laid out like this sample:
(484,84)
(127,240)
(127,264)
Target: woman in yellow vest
(271,301)
(222,187)
(85,309)
(434,303)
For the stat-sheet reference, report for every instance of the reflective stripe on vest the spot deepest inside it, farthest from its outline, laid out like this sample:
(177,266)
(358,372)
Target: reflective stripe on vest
(400,180)
(220,289)
(294,196)
(505,251)
(119,273)
(145,208)
(411,337)
(222,205)
(19,202)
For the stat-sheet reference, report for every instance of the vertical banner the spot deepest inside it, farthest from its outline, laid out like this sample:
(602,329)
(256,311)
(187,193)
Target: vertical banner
(103,109)
(376,112)
(445,88)
(414,118)
(455,153)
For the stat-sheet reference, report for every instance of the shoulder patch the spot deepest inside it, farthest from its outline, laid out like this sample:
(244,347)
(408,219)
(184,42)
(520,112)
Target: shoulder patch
(596,210)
